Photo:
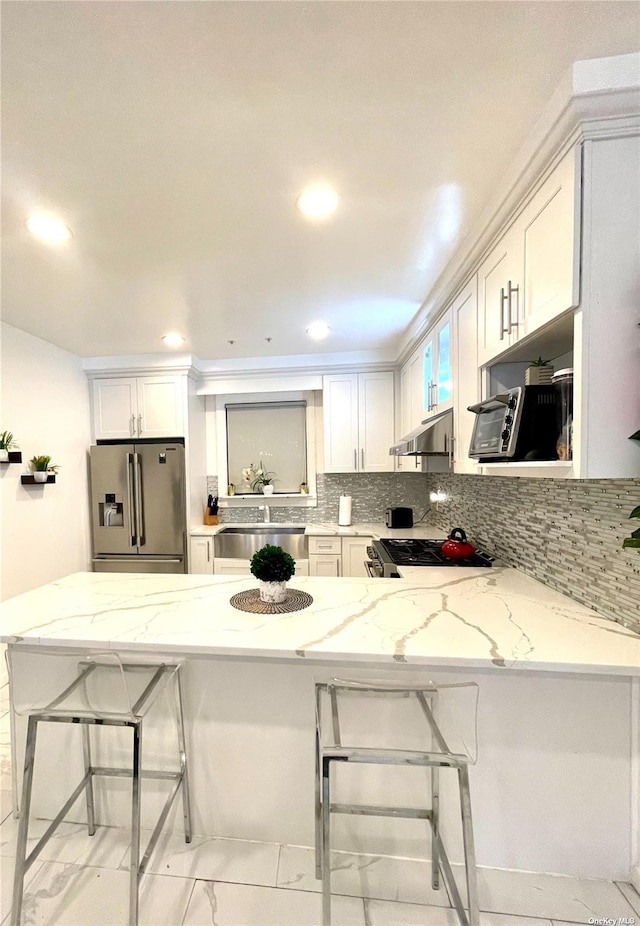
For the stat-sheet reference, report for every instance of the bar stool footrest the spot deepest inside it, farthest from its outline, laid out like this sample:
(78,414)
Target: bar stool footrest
(110,772)
(374,810)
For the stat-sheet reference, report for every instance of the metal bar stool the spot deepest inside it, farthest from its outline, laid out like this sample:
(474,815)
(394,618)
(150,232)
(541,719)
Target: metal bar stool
(100,691)
(330,747)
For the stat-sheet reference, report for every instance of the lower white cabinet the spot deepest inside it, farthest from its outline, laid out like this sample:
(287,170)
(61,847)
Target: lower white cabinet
(201,555)
(354,554)
(231,567)
(325,556)
(325,564)
(338,556)
(242,567)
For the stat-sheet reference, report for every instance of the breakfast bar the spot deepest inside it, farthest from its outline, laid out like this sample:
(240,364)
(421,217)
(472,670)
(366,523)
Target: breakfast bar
(557,718)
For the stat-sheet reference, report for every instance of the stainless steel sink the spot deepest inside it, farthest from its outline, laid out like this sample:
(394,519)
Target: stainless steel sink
(243,542)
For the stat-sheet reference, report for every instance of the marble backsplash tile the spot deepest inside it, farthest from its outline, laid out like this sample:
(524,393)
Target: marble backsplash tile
(565,533)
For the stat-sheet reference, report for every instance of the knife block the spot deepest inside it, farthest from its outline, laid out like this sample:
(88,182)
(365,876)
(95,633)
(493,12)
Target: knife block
(210,519)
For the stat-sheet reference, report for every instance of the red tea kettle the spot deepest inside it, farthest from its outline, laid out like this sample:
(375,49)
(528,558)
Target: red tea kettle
(456,546)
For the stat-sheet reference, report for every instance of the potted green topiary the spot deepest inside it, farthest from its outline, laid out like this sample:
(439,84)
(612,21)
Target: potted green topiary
(273,568)
(6,443)
(42,466)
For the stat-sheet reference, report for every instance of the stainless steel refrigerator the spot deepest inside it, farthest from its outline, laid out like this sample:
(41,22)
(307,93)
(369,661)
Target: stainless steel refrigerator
(138,507)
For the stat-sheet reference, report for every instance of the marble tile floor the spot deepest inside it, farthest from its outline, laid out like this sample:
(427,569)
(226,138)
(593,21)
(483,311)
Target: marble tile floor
(83,881)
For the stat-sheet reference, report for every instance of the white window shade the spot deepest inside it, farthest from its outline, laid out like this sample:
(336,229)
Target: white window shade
(269,433)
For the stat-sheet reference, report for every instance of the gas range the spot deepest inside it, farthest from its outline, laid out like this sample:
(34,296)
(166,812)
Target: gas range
(387,554)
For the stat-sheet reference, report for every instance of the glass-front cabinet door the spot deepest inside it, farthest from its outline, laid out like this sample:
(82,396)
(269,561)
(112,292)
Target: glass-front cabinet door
(428,377)
(437,383)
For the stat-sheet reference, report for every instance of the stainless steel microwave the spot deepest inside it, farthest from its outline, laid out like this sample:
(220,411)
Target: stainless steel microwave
(522,424)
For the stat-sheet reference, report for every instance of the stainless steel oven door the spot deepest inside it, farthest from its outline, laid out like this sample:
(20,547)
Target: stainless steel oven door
(495,431)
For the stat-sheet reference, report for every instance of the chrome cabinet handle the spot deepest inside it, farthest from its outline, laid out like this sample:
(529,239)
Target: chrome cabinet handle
(132,426)
(139,425)
(434,400)
(511,290)
(362,458)
(503,298)
(355,459)
(429,392)
(208,551)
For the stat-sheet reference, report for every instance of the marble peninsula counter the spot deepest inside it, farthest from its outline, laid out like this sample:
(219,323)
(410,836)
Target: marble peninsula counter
(558,709)
(450,617)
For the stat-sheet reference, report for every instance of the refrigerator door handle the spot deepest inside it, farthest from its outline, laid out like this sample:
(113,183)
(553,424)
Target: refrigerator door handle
(131,506)
(137,488)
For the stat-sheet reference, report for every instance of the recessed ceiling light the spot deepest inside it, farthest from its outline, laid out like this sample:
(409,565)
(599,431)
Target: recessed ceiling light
(318,331)
(48,228)
(318,202)
(173,339)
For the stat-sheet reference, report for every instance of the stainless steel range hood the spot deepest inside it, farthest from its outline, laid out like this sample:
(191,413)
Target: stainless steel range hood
(432,438)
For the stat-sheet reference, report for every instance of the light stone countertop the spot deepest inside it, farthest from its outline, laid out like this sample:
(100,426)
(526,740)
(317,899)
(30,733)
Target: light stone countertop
(450,617)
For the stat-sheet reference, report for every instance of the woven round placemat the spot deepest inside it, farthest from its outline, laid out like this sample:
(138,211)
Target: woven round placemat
(250,601)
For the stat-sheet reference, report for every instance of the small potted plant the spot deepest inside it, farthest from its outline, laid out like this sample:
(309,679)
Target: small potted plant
(6,443)
(260,479)
(273,568)
(42,466)
(538,373)
(633,542)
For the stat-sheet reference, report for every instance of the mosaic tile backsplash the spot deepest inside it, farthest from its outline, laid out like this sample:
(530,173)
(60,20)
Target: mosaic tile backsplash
(565,533)
(371,494)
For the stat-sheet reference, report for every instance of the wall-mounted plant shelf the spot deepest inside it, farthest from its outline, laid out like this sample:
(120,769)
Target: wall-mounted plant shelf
(27,480)
(15,456)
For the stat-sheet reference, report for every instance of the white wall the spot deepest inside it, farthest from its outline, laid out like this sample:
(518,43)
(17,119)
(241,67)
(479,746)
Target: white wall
(44,401)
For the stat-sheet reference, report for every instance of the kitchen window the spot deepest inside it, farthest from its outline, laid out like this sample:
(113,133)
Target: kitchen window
(271,436)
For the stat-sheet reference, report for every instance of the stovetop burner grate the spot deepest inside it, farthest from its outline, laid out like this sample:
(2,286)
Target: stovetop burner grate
(419,552)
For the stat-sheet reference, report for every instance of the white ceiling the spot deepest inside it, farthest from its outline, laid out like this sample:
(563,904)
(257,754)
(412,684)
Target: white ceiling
(174,137)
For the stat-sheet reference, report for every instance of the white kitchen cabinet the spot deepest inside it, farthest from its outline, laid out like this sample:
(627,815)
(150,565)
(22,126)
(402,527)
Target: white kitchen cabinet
(354,554)
(466,373)
(231,567)
(497,282)
(201,555)
(358,422)
(223,566)
(411,393)
(531,276)
(143,406)
(437,382)
(325,564)
(325,556)
(338,556)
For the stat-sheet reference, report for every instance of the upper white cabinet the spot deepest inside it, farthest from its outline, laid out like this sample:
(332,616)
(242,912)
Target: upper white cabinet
(358,422)
(531,276)
(143,406)
(465,373)
(437,381)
